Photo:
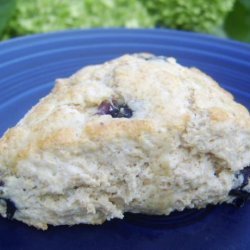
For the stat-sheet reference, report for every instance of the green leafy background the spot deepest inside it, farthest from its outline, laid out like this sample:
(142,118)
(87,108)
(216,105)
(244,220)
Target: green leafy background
(237,23)
(7,8)
(225,18)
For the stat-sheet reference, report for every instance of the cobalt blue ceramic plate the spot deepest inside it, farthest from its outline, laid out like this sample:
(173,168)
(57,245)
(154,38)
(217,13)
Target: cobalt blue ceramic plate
(28,68)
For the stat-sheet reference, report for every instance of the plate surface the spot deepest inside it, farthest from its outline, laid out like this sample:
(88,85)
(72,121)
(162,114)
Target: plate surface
(28,68)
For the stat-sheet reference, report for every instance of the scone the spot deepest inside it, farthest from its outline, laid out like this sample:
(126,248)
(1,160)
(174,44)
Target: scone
(138,134)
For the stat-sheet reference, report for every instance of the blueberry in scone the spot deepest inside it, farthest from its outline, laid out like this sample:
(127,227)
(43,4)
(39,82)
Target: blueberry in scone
(115,109)
(138,134)
(241,192)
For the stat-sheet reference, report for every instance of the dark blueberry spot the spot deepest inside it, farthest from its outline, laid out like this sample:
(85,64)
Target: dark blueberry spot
(115,109)
(10,208)
(239,202)
(246,175)
(241,195)
(105,108)
(1,183)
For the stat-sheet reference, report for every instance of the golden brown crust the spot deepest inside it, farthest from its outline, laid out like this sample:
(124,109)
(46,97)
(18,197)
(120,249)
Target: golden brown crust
(118,128)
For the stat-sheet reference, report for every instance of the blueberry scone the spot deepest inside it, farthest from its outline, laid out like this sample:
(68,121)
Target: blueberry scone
(138,134)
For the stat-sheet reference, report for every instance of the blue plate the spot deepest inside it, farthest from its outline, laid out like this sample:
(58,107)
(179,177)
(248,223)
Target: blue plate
(28,68)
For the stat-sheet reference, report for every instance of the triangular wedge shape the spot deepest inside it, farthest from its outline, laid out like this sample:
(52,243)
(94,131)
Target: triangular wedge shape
(138,134)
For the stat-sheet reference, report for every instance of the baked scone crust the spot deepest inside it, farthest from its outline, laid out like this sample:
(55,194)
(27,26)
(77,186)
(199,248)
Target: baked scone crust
(64,163)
